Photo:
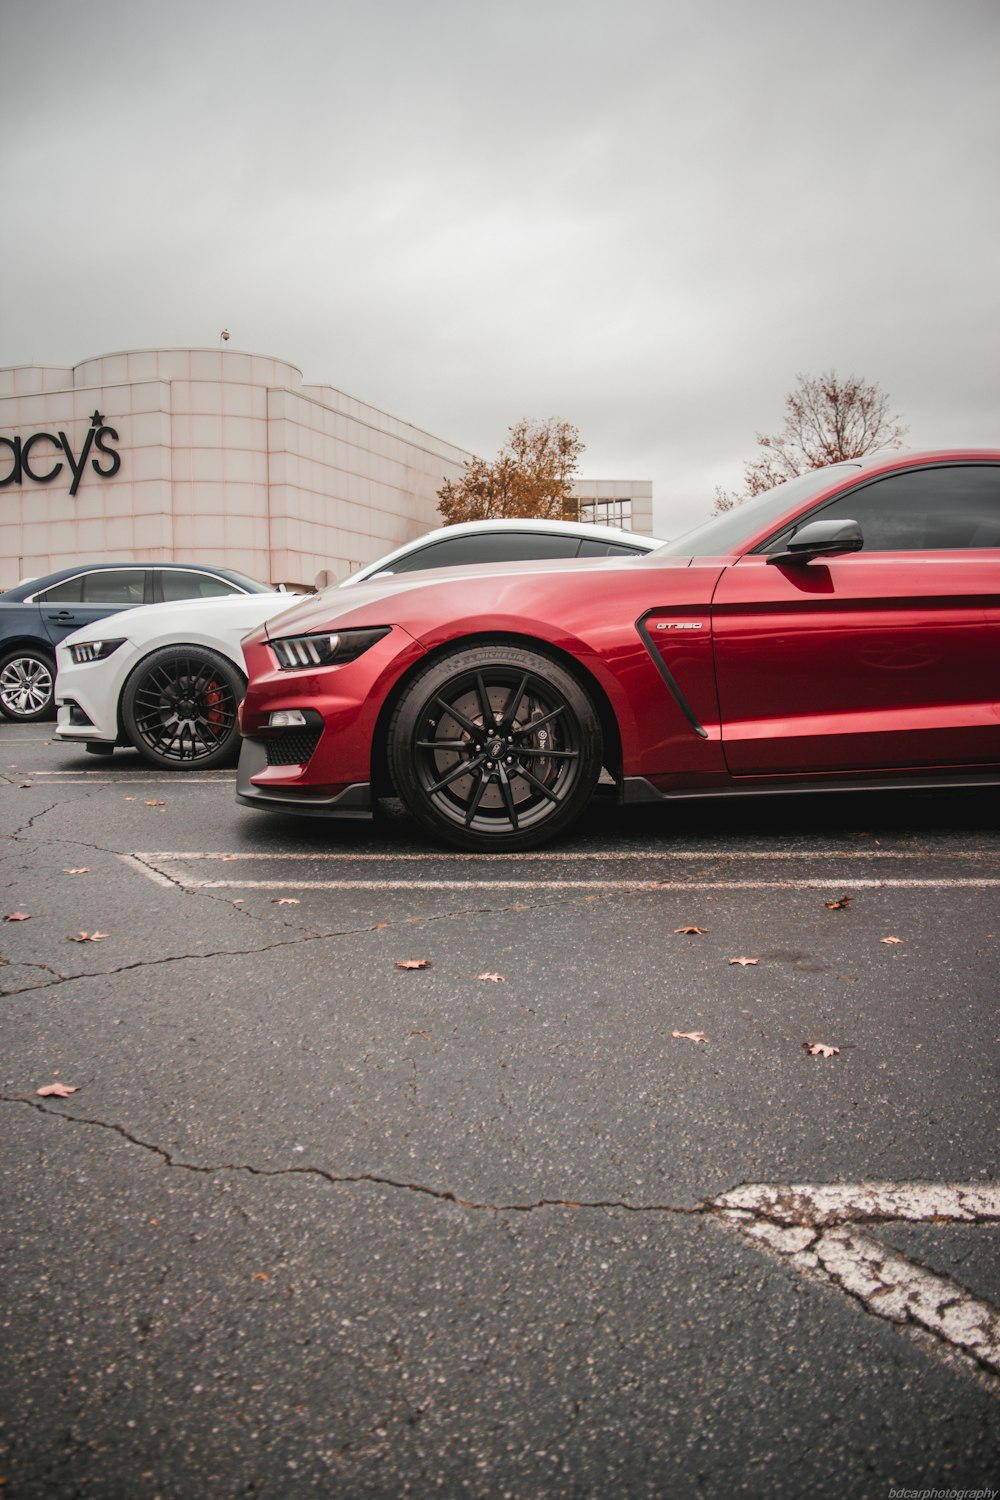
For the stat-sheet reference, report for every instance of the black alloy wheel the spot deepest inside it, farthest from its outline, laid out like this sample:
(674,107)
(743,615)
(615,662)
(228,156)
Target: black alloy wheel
(495,747)
(179,708)
(27,685)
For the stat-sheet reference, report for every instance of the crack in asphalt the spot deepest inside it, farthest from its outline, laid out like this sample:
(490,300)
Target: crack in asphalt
(824,1241)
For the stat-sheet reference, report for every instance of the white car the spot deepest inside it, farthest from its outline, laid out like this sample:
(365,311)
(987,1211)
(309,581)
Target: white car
(167,679)
(164,678)
(504,541)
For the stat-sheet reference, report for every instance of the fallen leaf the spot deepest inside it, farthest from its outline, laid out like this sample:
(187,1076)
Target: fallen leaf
(83,870)
(590,898)
(286,901)
(154,803)
(57,1090)
(18,916)
(261,1276)
(24,785)
(238,902)
(694,931)
(890,940)
(89,937)
(820,1049)
(155,1223)
(379,926)
(690,1036)
(413,963)
(744,961)
(515,908)
(129,799)
(425,1034)
(495,978)
(843,902)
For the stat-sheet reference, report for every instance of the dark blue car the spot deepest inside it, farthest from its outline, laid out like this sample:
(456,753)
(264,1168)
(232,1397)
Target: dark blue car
(34,617)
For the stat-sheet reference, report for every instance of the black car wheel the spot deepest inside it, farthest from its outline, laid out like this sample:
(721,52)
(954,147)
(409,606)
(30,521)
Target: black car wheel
(27,683)
(495,747)
(179,708)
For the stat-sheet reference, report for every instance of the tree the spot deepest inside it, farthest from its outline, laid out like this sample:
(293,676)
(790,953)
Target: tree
(826,419)
(531,476)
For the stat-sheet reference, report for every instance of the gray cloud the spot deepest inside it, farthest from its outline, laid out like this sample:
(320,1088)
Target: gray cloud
(645,218)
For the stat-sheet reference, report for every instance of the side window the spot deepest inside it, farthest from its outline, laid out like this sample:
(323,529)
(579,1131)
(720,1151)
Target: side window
(924,510)
(70,592)
(179,583)
(117,586)
(488,547)
(590,548)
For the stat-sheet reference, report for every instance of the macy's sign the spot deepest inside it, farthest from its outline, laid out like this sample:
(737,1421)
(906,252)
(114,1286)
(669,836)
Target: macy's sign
(26,464)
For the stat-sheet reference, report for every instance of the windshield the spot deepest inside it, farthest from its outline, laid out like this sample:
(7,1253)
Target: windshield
(723,534)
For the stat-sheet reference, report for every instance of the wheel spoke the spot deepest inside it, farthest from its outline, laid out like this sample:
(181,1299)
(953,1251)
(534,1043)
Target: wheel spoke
(459,718)
(513,704)
(539,786)
(536,724)
(485,707)
(540,754)
(473,807)
(508,797)
(462,769)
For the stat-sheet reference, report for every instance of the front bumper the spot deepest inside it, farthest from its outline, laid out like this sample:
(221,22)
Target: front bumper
(91,692)
(351,801)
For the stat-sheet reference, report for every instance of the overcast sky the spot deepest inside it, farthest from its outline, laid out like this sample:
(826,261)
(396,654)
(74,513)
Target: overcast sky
(645,218)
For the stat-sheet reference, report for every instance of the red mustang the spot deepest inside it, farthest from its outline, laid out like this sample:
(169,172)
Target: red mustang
(840,631)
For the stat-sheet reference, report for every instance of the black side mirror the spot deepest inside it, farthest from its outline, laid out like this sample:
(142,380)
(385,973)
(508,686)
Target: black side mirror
(820,539)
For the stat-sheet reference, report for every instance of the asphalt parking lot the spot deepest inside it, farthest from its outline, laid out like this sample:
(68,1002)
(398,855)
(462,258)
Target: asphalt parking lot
(587,1205)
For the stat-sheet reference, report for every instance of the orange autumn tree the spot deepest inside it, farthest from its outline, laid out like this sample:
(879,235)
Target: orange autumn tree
(531,476)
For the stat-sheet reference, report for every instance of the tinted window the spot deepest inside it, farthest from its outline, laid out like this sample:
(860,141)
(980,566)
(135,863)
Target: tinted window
(723,534)
(487,547)
(178,583)
(70,592)
(118,586)
(923,510)
(590,548)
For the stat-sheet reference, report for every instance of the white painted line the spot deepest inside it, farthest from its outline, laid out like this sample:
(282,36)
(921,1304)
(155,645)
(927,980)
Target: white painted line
(811,1225)
(544,885)
(603,856)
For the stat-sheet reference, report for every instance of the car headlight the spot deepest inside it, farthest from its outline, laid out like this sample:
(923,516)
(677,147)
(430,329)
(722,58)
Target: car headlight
(94,650)
(299,653)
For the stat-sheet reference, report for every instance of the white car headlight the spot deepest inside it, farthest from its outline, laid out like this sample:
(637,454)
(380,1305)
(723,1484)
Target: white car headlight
(94,650)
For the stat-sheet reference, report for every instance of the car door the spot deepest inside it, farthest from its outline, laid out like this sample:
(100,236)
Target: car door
(887,657)
(78,601)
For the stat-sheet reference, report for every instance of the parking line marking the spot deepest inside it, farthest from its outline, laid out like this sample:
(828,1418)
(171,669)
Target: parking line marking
(167,877)
(603,855)
(814,1226)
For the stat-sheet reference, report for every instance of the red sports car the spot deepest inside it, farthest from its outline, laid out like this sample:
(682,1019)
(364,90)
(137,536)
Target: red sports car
(841,631)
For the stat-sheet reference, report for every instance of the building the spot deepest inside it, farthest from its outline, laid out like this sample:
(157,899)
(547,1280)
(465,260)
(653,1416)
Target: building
(212,455)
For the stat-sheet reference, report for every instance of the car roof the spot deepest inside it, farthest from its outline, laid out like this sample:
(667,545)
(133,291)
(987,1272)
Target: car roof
(585,530)
(27,586)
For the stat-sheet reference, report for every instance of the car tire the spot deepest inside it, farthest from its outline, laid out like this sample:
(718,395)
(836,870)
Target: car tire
(522,725)
(27,685)
(179,708)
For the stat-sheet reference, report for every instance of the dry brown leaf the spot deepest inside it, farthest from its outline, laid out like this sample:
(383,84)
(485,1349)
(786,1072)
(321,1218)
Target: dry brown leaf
(89,937)
(425,1034)
(153,803)
(57,1090)
(840,905)
(261,1276)
(18,916)
(690,1036)
(285,901)
(83,870)
(379,926)
(694,931)
(743,962)
(495,978)
(820,1049)
(413,963)
(890,940)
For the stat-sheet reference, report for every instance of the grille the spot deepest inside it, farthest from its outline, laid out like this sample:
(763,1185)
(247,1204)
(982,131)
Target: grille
(293,747)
